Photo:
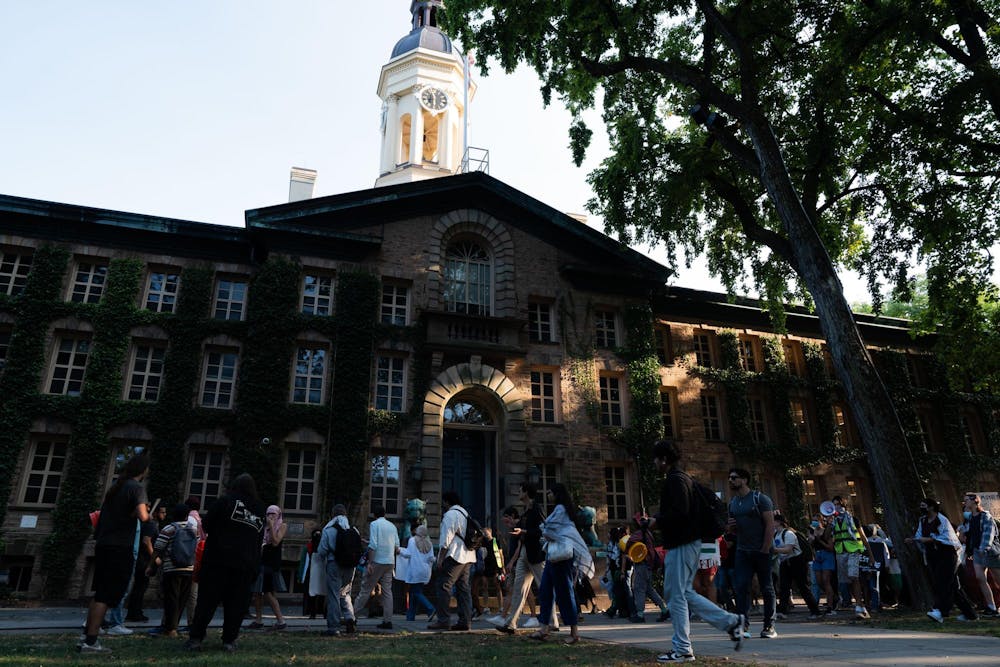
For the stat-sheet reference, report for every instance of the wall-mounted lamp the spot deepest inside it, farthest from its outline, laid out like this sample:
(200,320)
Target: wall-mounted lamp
(534,475)
(417,471)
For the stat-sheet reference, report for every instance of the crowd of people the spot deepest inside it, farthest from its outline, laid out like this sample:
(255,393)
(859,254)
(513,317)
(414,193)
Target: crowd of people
(712,571)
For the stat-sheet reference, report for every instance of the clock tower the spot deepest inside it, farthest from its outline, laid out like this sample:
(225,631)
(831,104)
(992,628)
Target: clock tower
(423,102)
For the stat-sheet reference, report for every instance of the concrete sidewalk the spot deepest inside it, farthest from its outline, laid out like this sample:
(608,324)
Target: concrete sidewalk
(816,644)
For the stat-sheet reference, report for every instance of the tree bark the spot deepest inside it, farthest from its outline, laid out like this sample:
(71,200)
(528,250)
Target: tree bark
(896,478)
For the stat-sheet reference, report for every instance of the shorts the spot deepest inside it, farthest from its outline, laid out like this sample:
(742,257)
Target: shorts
(113,567)
(985,559)
(269,581)
(848,566)
(824,562)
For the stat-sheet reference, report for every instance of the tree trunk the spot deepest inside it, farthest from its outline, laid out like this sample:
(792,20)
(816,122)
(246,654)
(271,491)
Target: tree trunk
(891,463)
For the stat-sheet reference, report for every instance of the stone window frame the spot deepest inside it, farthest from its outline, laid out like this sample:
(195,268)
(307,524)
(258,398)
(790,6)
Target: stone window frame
(213,457)
(664,343)
(304,450)
(386,456)
(405,371)
(87,284)
(47,472)
(230,305)
(712,416)
(391,309)
(168,292)
(54,362)
(542,321)
(213,349)
(612,494)
(15,266)
(757,419)
(146,374)
(801,413)
(607,400)
(555,380)
(322,305)
(669,399)
(607,328)
(703,345)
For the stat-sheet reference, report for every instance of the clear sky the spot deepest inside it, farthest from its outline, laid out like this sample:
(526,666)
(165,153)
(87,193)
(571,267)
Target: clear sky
(197,110)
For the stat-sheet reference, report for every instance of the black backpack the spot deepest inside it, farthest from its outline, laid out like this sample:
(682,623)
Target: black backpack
(183,545)
(473,536)
(711,514)
(804,546)
(348,549)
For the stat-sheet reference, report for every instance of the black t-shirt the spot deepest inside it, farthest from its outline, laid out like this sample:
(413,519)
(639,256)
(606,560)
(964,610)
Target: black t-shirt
(151,530)
(235,527)
(116,527)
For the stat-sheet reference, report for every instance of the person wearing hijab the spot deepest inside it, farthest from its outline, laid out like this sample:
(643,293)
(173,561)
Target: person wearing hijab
(339,578)
(419,552)
(558,577)
(269,580)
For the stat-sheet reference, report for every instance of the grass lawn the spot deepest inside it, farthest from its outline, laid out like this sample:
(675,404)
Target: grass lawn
(918,620)
(291,648)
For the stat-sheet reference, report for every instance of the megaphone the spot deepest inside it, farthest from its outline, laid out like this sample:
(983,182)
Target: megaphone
(638,552)
(827,508)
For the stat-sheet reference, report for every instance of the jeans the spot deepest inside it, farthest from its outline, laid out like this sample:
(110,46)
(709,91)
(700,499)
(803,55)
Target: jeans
(417,597)
(377,573)
(524,574)
(679,567)
(642,576)
(557,586)
(338,594)
(749,563)
(454,575)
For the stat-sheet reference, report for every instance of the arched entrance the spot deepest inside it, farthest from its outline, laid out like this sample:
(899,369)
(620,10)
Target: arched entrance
(469,455)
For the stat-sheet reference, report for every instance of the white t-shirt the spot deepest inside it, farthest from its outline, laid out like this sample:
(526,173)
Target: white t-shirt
(786,538)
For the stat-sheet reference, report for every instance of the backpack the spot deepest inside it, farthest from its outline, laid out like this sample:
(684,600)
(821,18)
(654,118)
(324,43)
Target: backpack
(347,551)
(473,535)
(804,547)
(183,545)
(711,515)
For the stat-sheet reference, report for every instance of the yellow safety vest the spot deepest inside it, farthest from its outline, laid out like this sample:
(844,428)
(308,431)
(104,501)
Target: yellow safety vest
(846,539)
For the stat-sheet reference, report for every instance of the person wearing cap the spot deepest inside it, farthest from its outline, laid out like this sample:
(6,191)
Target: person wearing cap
(981,543)
(643,559)
(940,545)
(792,568)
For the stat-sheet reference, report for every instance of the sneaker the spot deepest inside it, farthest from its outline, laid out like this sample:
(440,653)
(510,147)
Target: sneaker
(861,613)
(780,616)
(663,617)
(496,620)
(279,626)
(331,633)
(192,645)
(637,619)
(229,648)
(674,656)
(830,611)
(936,615)
(385,625)
(140,618)
(256,625)
(93,648)
(813,617)
(531,623)
(990,613)
(769,633)
(962,617)
(119,630)
(438,626)
(736,631)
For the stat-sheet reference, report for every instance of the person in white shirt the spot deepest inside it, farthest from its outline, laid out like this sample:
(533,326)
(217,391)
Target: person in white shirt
(454,563)
(940,545)
(383,545)
(420,553)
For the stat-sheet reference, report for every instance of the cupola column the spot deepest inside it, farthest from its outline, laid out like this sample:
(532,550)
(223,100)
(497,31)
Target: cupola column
(417,134)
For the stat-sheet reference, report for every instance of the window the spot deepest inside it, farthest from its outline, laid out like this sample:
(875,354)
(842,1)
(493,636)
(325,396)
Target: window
(463,411)
(310,372)
(793,357)
(811,494)
(14,269)
(468,279)
(711,416)
(617,497)
(664,344)
(300,479)
(147,372)
(748,353)
(605,329)
(543,397)
(758,421)
(122,454)
(317,295)
(540,325)
(18,572)
(88,284)
(161,291)
(845,433)
(69,365)
(230,299)
(390,384)
(703,349)
(219,383)
(45,469)
(395,304)
(386,484)
(611,400)
(668,411)
(205,475)
(547,479)
(800,418)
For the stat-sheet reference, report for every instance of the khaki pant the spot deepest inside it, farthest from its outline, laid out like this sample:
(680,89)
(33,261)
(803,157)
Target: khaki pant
(524,574)
(377,574)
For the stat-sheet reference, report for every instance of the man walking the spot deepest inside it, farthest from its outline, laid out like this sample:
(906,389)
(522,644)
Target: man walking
(848,544)
(751,513)
(677,522)
(383,545)
(338,577)
(454,563)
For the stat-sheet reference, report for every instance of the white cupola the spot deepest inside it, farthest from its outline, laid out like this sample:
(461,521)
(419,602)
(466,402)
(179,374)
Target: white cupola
(423,102)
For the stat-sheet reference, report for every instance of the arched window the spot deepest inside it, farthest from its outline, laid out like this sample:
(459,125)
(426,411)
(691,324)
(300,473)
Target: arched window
(464,411)
(404,136)
(468,278)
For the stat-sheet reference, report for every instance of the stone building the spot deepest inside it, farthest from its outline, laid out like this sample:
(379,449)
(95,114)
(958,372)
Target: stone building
(441,331)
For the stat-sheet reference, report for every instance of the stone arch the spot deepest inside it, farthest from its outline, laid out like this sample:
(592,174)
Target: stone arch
(485,382)
(495,235)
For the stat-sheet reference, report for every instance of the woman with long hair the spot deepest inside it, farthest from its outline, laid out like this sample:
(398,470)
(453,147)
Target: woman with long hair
(560,534)
(419,552)
(269,580)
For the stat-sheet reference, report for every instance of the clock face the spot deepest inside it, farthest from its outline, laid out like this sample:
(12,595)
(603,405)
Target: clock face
(433,99)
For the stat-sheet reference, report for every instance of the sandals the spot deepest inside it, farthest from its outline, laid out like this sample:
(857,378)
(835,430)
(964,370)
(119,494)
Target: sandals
(256,625)
(539,636)
(571,641)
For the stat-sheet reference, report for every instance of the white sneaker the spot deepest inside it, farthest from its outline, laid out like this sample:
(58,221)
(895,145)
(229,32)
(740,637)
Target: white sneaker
(119,630)
(496,620)
(861,612)
(92,648)
(936,615)
(532,622)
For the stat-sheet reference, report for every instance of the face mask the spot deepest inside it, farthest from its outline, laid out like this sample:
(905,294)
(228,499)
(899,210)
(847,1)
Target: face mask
(967,514)
(815,524)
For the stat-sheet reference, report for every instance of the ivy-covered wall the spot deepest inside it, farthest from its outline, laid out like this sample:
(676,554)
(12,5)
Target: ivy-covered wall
(267,338)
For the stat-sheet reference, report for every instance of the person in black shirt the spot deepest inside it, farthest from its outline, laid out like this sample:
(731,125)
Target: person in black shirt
(124,503)
(229,564)
(148,533)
